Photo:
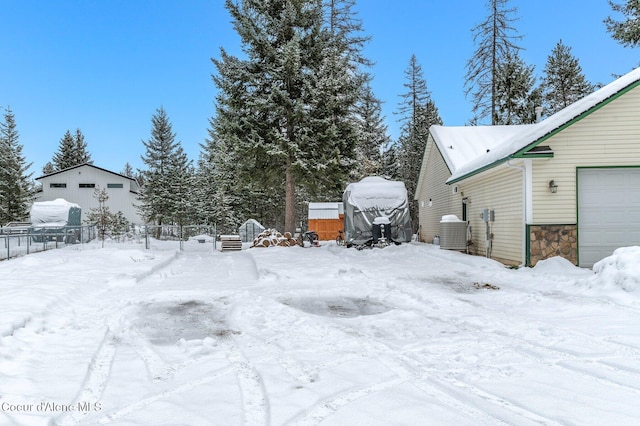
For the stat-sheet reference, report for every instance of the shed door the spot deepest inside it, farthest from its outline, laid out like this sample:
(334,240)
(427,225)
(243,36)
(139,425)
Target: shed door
(608,212)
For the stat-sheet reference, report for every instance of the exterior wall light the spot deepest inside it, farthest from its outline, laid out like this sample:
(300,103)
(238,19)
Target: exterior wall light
(553,188)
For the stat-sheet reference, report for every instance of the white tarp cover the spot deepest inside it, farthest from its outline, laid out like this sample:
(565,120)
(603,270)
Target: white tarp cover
(52,213)
(374,197)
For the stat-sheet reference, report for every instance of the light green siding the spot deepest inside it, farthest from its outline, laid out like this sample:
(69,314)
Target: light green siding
(498,189)
(609,136)
(432,187)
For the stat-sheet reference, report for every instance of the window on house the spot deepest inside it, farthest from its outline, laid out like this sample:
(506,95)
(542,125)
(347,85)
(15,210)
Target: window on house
(465,201)
(57,185)
(86,185)
(115,185)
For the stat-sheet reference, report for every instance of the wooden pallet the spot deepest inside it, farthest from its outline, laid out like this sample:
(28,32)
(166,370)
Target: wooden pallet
(230,243)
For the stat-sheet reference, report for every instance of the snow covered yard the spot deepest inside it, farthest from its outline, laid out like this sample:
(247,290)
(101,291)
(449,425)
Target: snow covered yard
(406,335)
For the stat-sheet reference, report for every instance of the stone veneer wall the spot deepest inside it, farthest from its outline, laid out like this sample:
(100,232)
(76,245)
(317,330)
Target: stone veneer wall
(547,241)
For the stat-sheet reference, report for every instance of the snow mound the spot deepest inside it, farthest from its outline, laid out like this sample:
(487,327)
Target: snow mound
(557,265)
(621,270)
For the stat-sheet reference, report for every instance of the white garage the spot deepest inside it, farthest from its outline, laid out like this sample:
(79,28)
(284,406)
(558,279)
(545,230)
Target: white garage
(608,211)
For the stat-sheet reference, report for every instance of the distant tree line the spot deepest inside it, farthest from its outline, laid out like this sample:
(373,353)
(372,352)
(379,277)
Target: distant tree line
(296,118)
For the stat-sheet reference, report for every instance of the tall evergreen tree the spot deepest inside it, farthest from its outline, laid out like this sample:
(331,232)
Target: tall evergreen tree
(128,170)
(390,164)
(16,189)
(285,109)
(626,32)
(494,38)
(372,136)
(214,185)
(563,82)
(418,112)
(516,93)
(65,156)
(336,89)
(72,151)
(182,187)
(81,154)
(165,191)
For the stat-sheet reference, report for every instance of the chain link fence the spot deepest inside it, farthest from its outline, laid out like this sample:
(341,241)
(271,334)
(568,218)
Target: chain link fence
(186,237)
(25,240)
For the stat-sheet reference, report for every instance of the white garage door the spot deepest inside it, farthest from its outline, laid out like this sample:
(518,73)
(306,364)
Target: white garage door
(608,212)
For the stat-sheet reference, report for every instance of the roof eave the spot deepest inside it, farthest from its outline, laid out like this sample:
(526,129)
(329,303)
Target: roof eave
(522,152)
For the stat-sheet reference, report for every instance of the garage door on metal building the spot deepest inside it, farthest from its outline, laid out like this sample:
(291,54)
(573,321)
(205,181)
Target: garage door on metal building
(608,211)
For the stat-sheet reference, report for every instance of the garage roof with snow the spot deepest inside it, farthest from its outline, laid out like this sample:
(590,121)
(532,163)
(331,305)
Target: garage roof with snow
(468,150)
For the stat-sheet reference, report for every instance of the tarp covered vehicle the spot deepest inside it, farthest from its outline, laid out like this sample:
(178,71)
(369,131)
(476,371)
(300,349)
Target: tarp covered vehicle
(376,208)
(56,220)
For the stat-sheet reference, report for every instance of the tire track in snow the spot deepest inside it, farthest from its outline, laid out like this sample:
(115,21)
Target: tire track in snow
(142,403)
(538,354)
(99,370)
(406,370)
(329,406)
(473,404)
(255,402)
(615,349)
(413,371)
(95,380)
(157,368)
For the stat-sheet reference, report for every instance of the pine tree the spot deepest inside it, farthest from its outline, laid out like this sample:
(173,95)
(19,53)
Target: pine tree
(127,170)
(65,157)
(563,82)
(626,32)
(101,216)
(494,37)
(182,187)
(81,154)
(214,187)
(16,189)
(48,168)
(164,194)
(337,87)
(285,109)
(390,164)
(372,136)
(72,151)
(418,113)
(516,92)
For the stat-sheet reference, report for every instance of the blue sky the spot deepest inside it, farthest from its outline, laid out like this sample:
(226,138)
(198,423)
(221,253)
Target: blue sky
(106,66)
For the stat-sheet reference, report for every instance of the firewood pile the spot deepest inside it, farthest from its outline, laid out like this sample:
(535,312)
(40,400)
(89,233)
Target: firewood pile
(273,238)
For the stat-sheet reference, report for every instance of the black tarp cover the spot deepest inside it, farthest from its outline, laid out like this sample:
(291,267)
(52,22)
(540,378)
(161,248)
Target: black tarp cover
(376,197)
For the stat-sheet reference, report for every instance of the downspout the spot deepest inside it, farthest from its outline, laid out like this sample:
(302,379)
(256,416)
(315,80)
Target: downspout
(526,203)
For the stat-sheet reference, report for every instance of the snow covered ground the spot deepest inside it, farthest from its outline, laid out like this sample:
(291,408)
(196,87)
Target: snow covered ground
(406,335)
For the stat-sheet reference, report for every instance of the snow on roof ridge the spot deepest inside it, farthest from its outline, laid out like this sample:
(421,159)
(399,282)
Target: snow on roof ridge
(527,134)
(460,145)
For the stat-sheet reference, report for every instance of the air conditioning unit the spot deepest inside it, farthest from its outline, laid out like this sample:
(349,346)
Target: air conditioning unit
(453,233)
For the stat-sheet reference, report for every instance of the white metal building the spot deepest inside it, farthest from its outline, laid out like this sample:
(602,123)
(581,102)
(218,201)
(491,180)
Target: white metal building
(78,184)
